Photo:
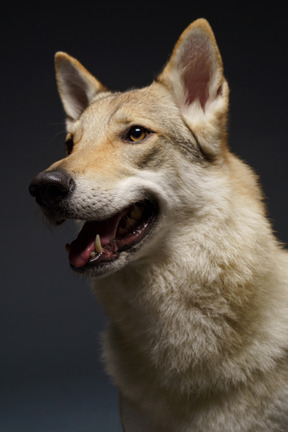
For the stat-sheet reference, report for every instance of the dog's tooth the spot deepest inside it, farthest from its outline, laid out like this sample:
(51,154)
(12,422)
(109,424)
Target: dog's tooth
(92,254)
(136,212)
(67,247)
(98,246)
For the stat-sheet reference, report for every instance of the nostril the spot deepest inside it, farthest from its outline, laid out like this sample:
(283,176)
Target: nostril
(51,187)
(36,193)
(56,191)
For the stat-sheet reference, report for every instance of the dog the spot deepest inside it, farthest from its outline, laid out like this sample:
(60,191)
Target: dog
(175,238)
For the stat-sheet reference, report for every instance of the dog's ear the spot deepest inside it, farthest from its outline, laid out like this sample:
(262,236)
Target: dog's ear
(194,75)
(76,86)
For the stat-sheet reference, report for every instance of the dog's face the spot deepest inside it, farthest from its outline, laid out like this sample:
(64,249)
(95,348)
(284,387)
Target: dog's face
(131,156)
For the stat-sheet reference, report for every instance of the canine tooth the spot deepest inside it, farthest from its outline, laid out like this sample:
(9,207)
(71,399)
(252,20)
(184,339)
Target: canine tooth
(98,246)
(136,212)
(92,254)
(67,247)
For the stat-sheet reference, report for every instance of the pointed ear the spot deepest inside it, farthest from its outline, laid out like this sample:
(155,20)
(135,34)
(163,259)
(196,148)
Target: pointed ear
(194,75)
(76,86)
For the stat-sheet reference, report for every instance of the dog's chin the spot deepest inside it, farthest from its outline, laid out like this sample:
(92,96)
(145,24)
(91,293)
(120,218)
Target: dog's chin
(106,246)
(102,269)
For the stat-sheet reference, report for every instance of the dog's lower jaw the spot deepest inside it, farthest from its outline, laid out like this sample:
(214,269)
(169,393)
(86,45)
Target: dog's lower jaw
(105,245)
(105,269)
(122,261)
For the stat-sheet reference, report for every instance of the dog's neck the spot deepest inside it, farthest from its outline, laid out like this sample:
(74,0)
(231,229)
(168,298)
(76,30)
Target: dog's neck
(178,318)
(172,318)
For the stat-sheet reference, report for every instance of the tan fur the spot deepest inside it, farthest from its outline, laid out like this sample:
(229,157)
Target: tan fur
(198,316)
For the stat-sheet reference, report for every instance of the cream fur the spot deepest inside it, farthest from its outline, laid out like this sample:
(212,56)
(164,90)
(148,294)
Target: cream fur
(198,317)
(198,334)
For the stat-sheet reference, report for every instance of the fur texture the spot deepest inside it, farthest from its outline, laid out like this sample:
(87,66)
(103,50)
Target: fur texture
(198,312)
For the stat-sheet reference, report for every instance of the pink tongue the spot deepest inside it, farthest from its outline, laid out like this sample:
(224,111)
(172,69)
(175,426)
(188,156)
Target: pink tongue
(79,257)
(81,248)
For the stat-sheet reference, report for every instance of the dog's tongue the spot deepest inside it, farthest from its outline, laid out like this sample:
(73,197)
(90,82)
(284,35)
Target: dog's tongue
(81,248)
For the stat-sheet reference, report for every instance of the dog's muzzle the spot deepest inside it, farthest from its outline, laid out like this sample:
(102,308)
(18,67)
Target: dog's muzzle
(101,242)
(49,188)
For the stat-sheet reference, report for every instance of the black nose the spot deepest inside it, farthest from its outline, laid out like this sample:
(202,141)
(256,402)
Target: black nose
(51,187)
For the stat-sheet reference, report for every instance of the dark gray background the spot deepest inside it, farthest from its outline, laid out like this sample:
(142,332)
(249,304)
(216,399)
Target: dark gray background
(51,375)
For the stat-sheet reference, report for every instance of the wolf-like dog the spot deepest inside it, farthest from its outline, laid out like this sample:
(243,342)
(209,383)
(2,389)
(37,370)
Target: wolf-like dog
(175,238)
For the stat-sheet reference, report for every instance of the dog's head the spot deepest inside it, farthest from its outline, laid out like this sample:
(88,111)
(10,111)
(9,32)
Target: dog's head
(134,158)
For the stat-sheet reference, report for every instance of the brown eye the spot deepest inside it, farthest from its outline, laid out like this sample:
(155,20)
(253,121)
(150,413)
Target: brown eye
(69,144)
(137,134)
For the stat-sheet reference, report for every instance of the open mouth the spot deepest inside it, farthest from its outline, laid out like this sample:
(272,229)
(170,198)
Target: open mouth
(101,242)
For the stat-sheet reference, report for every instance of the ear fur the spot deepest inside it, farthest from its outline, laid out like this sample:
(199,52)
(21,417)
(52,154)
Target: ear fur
(76,86)
(194,75)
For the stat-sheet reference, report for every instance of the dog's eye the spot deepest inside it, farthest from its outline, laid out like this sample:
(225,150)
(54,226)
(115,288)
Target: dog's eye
(69,144)
(137,134)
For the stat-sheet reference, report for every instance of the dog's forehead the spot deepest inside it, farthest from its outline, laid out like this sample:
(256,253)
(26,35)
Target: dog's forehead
(135,102)
(146,106)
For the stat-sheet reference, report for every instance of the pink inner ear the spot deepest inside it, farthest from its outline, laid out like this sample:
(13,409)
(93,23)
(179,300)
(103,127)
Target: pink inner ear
(197,70)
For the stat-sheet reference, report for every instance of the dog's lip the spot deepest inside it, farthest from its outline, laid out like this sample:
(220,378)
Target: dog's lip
(118,233)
